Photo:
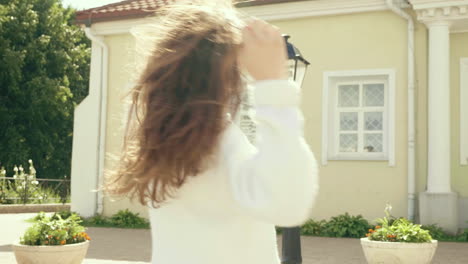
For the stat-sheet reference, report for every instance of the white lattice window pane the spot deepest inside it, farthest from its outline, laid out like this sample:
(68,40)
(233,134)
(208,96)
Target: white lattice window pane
(349,121)
(373,121)
(373,142)
(246,123)
(348,95)
(374,94)
(348,142)
(290,69)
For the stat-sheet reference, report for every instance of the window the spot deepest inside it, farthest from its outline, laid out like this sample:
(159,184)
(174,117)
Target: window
(358,116)
(246,122)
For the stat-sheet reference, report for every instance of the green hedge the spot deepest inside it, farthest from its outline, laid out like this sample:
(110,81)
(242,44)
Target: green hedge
(344,225)
(438,233)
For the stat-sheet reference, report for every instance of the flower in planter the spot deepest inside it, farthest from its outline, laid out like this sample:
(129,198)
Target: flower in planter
(66,234)
(54,231)
(391,229)
(394,239)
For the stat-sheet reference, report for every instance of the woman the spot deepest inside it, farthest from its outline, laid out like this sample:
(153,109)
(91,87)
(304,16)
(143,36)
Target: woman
(215,197)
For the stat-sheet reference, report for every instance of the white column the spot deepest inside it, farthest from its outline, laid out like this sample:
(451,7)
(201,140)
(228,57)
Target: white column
(438,180)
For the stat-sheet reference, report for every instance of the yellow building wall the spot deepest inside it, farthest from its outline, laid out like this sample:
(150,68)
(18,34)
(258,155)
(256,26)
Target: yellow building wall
(375,40)
(121,72)
(458,49)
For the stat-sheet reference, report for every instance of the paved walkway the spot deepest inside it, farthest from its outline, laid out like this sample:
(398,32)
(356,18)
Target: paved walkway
(126,246)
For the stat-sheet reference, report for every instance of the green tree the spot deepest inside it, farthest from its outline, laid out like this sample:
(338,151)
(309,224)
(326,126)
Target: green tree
(44,72)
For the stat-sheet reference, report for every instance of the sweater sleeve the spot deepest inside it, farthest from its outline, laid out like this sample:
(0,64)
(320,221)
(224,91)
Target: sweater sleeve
(276,180)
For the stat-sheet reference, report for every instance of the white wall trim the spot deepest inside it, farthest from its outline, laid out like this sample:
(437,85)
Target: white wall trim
(391,117)
(464,111)
(303,9)
(85,155)
(421,4)
(327,77)
(356,73)
(282,11)
(434,11)
(325,107)
(461,31)
(99,40)
(118,27)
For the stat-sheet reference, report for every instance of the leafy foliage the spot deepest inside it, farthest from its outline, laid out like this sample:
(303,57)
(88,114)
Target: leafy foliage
(463,236)
(278,230)
(313,228)
(436,232)
(54,230)
(65,214)
(392,229)
(125,218)
(346,226)
(44,71)
(122,219)
(98,220)
(439,234)
(402,230)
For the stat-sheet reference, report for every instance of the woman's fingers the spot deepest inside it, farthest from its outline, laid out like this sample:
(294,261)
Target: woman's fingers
(263,52)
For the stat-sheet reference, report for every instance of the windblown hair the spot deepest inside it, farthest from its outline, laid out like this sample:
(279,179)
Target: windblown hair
(191,80)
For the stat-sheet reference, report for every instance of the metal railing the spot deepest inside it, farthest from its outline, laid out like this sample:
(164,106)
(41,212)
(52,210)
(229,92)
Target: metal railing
(28,190)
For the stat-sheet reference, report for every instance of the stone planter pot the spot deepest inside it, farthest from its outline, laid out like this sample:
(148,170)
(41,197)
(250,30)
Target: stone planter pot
(377,252)
(67,254)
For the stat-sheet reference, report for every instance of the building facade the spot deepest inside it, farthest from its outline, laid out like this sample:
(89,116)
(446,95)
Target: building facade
(385,101)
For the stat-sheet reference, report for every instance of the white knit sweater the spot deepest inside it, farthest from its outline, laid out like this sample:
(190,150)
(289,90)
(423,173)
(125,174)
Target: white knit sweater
(227,214)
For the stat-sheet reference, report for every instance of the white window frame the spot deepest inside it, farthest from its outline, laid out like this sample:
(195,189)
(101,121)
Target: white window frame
(464,111)
(330,114)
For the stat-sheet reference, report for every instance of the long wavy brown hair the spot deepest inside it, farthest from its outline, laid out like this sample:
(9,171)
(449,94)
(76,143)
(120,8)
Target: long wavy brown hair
(191,80)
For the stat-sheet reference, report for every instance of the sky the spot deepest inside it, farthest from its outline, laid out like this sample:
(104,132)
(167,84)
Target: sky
(85,4)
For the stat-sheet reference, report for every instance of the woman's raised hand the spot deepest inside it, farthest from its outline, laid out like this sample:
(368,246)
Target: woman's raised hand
(263,52)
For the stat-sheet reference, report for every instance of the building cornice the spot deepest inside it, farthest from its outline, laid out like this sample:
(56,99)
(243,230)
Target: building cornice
(284,11)
(432,12)
(271,12)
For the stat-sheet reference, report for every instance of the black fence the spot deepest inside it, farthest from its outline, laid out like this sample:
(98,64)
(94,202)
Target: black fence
(30,190)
